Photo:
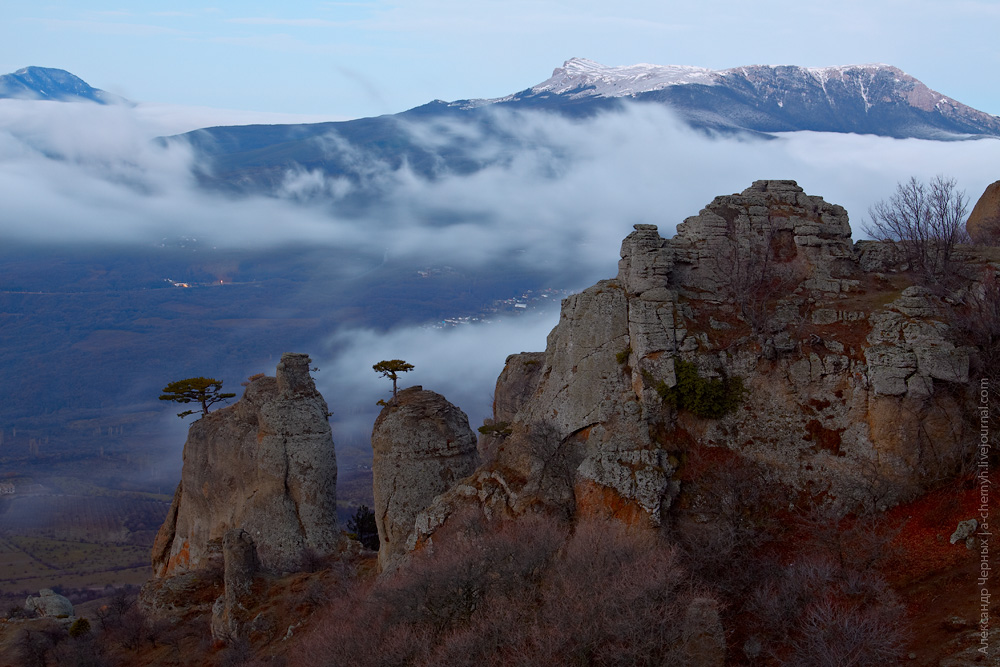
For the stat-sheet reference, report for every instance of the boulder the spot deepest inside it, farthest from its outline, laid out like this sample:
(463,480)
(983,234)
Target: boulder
(265,465)
(983,224)
(422,446)
(964,531)
(49,604)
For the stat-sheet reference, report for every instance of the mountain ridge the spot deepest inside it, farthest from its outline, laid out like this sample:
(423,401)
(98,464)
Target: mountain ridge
(754,98)
(49,83)
(462,137)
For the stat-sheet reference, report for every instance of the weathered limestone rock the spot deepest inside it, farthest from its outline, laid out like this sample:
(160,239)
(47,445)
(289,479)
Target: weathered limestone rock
(848,390)
(49,604)
(983,224)
(964,530)
(646,260)
(908,353)
(265,465)
(231,611)
(515,387)
(516,384)
(773,220)
(423,445)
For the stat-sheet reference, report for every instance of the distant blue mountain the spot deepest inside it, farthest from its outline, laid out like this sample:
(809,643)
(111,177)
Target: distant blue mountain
(46,83)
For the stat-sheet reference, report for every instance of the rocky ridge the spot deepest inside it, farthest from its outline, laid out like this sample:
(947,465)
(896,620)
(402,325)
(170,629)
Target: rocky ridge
(850,383)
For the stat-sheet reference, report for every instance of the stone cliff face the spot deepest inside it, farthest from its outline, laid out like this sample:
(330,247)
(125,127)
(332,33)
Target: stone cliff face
(851,385)
(422,445)
(264,466)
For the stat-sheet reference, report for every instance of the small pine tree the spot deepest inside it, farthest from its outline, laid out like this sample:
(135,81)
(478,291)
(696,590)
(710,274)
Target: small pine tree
(391,368)
(205,391)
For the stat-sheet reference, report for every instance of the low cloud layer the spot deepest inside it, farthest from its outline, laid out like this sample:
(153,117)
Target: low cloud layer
(90,173)
(83,173)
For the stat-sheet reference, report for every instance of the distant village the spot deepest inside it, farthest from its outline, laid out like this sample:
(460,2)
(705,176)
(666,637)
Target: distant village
(528,301)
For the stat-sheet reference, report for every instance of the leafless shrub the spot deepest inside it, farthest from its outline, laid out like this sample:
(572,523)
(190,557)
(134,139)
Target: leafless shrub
(927,220)
(86,651)
(853,542)
(729,514)
(617,598)
(522,592)
(832,635)
(777,603)
(34,646)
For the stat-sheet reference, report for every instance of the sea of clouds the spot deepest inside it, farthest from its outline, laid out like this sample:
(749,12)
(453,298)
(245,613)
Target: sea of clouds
(564,199)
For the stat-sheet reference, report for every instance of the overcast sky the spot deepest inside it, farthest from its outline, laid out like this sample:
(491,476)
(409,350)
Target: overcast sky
(368,57)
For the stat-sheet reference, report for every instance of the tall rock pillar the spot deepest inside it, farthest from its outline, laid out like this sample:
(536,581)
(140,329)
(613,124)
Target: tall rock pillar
(422,446)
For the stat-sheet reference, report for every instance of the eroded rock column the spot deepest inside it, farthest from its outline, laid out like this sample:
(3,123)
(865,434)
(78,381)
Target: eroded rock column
(422,446)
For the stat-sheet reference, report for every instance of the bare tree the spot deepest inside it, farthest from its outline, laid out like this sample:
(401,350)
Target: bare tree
(927,220)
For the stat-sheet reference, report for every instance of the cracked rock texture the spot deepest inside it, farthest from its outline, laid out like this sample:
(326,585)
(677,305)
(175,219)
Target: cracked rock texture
(265,465)
(422,446)
(854,386)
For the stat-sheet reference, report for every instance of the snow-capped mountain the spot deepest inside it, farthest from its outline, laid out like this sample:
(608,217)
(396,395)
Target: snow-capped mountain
(866,99)
(760,100)
(46,83)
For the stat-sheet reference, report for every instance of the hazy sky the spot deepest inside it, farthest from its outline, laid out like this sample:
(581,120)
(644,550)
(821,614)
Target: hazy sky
(368,57)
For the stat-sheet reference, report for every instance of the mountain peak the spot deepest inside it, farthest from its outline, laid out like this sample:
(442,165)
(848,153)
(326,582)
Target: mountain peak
(873,98)
(49,83)
(591,78)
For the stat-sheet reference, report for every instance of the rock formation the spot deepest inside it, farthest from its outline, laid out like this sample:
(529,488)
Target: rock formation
(266,466)
(49,604)
(983,224)
(837,378)
(422,446)
(230,611)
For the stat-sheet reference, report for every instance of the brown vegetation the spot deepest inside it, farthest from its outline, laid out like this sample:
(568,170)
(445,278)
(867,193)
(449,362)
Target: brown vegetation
(531,592)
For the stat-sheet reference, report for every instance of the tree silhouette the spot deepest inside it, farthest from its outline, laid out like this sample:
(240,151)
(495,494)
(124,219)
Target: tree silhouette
(205,391)
(391,368)
(927,220)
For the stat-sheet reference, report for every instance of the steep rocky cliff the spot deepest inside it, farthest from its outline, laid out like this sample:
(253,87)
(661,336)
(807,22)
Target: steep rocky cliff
(264,466)
(759,328)
(422,445)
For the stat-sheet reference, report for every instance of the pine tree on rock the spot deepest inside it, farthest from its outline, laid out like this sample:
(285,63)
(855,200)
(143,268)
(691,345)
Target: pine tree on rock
(204,391)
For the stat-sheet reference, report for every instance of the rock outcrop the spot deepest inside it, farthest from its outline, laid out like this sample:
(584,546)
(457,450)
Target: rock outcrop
(795,354)
(265,465)
(422,446)
(983,224)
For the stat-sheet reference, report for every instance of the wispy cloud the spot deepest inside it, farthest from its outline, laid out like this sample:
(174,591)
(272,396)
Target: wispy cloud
(298,23)
(118,28)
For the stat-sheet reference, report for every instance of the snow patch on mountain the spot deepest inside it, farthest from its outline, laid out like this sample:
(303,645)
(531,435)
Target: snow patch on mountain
(588,78)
